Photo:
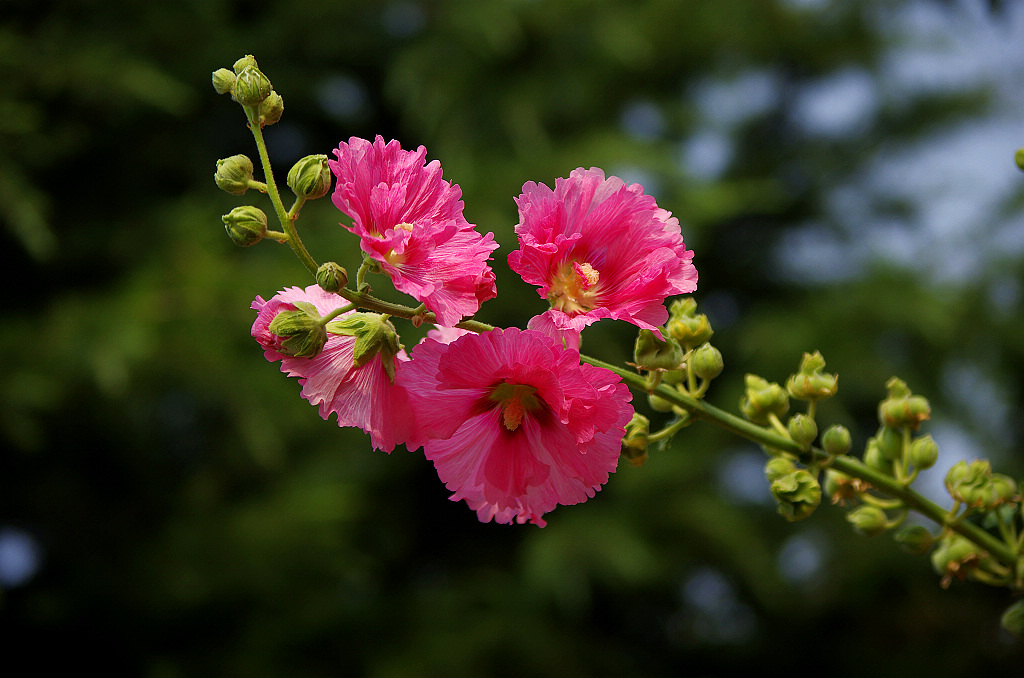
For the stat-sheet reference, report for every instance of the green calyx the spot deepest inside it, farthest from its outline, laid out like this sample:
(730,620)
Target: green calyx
(374,334)
(810,383)
(763,399)
(687,326)
(652,353)
(310,177)
(797,493)
(302,330)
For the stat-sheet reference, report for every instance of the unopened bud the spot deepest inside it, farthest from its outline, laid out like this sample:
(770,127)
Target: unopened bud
(763,398)
(634,443)
(659,404)
(223,80)
(245,62)
(874,458)
(870,521)
(955,557)
(685,325)
(915,539)
(331,277)
(836,440)
(251,87)
(1018,157)
(840,487)
(901,409)
(310,177)
(706,361)
(245,225)
(802,429)
(651,353)
(797,493)
(923,453)
(976,486)
(271,109)
(890,443)
(234,174)
(301,331)
(810,383)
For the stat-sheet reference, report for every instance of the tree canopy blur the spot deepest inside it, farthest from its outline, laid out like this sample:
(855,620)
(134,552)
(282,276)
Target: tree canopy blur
(170,506)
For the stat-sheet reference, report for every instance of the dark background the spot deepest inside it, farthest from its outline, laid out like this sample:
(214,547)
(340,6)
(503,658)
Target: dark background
(170,507)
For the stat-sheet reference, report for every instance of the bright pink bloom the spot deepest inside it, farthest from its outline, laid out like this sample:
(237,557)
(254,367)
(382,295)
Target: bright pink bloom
(514,424)
(410,221)
(361,396)
(597,248)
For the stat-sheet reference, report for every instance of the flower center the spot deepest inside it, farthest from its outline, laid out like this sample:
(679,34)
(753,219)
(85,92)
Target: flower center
(574,288)
(398,259)
(515,401)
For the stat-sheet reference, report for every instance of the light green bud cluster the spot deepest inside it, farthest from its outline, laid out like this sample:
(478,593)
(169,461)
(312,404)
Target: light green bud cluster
(978,487)
(810,383)
(796,492)
(902,409)
(248,85)
(685,325)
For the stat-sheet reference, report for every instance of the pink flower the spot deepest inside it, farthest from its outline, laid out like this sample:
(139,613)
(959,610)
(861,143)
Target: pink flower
(514,424)
(597,248)
(361,396)
(410,221)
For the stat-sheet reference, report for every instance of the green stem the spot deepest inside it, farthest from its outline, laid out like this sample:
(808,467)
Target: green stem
(287,223)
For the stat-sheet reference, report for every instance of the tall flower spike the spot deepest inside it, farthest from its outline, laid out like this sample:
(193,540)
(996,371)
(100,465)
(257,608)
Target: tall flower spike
(360,395)
(410,221)
(514,424)
(597,248)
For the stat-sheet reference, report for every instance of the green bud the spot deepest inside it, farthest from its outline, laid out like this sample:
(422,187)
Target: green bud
(304,334)
(762,399)
(836,440)
(223,80)
(870,521)
(802,429)
(810,383)
(673,377)
(685,325)
(890,443)
(374,334)
(245,62)
(706,361)
(651,353)
(901,409)
(271,109)
(778,467)
(331,277)
(1018,157)
(915,539)
(659,404)
(251,87)
(310,177)
(797,493)
(923,452)
(874,458)
(634,443)
(246,225)
(1013,618)
(955,557)
(234,174)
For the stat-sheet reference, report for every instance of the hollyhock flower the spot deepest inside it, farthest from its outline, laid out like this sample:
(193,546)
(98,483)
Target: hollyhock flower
(362,395)
(597,248)
(410,221)
(514,424)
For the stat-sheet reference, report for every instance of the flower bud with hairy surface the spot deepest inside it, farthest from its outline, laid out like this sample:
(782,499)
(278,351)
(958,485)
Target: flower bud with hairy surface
(836,440)
(251,87)
(310,177)
(706,361)
(223,81)
(652,353)
(331,277)
(234,174)
(870,521)
(245,225)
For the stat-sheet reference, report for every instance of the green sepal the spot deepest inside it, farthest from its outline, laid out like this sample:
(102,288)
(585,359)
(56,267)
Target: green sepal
(304,335)
(374,334)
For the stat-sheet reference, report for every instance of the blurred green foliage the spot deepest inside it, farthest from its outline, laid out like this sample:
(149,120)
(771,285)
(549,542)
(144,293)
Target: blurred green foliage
(195,517)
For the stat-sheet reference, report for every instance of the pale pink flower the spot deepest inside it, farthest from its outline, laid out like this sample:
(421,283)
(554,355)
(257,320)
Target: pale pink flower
(362,396)
(597,248)
(514,424)
(411,222)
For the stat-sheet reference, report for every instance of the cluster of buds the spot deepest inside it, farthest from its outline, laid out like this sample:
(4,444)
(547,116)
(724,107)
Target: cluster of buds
(309,178)
(978,488)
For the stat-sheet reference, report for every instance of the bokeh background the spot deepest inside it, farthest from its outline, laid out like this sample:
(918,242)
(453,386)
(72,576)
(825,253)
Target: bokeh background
(170,507)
